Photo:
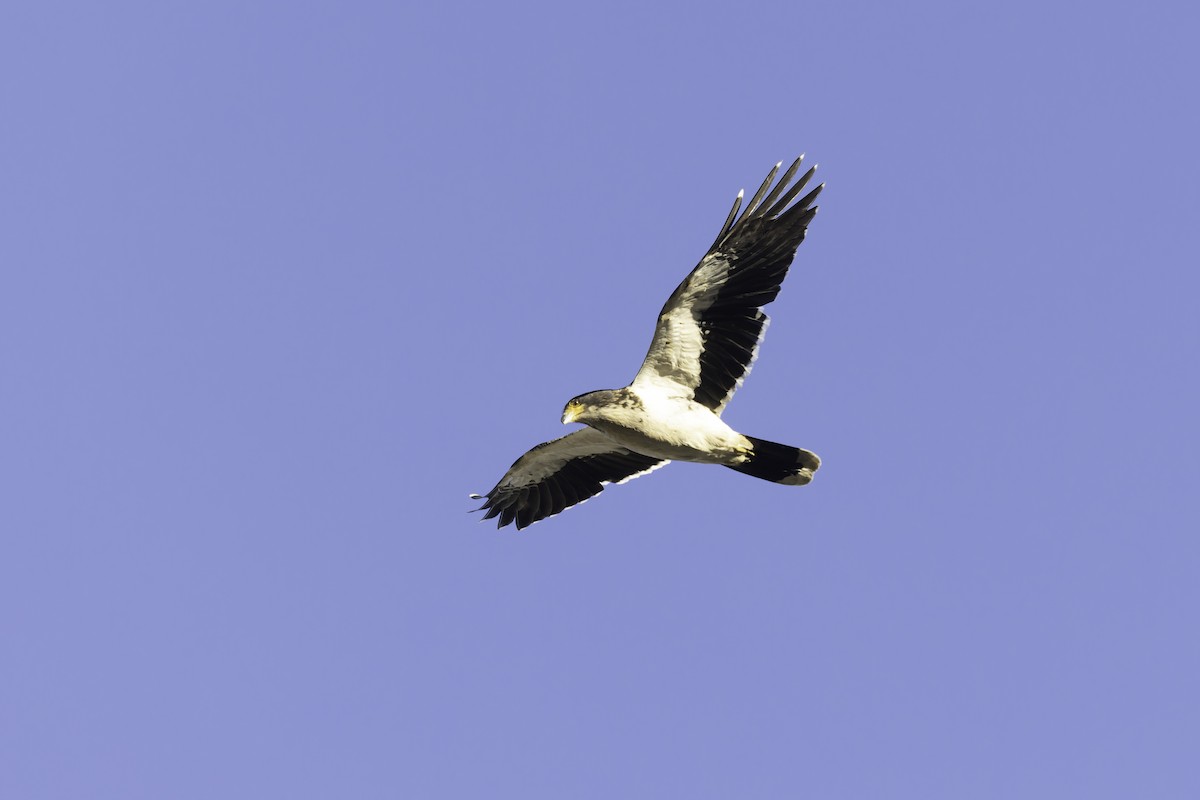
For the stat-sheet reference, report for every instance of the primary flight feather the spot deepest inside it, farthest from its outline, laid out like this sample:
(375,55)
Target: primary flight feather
(705,341)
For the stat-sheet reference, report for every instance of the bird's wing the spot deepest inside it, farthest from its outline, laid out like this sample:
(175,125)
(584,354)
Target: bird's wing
(709,329)
(559,474)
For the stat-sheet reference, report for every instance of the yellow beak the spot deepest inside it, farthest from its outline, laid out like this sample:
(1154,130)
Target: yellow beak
(571,413)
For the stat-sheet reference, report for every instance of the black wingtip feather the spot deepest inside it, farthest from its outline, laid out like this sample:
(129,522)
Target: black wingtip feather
(768,202)
(752,206)
(773,205)
(737,204)
(782,204)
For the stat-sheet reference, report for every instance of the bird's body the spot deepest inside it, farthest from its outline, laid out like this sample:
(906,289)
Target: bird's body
(668,427)
(705,341)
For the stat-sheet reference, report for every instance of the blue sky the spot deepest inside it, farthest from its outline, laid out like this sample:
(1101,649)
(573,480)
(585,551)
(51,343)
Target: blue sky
(282,283)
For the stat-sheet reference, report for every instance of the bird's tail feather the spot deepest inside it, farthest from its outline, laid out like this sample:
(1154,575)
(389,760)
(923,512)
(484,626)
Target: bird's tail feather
(780,463)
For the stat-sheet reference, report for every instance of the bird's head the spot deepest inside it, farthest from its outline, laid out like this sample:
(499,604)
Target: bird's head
(581,408)
(574,410)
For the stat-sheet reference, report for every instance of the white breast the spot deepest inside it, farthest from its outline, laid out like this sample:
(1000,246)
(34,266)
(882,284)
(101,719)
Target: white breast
(674,428)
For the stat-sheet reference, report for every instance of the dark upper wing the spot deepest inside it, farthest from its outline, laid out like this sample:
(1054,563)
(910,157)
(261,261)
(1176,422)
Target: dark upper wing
(709,329)
(560,473)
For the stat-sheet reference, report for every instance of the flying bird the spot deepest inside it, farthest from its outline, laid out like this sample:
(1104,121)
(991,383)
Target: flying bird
(705,341)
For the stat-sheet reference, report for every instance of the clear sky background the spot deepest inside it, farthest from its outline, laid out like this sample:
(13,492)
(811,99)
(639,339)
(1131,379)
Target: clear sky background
(280,283)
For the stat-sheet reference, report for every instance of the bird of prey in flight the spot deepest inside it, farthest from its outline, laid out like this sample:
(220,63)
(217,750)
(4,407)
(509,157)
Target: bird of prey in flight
(705,341)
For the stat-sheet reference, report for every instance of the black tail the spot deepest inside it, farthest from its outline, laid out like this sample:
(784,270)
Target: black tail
(779,463)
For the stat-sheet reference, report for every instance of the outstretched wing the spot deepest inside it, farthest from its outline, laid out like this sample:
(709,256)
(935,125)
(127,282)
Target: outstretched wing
(559,474)
(710,328)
